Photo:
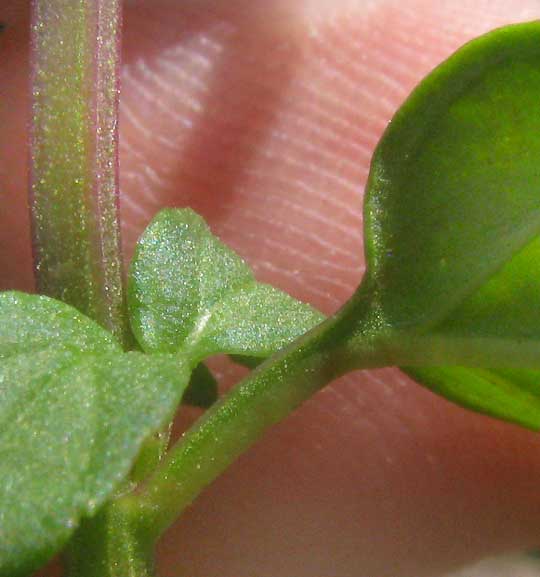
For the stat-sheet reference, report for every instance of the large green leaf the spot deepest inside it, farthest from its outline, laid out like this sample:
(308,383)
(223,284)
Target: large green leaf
(452,231)
(74,411)
(188,292)
(452,212)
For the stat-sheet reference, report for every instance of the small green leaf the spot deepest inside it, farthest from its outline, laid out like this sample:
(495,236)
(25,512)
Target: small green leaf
(203,388)
(74,411)
(188,292)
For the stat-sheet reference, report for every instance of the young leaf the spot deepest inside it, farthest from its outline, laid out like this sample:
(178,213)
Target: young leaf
(74,411)
(452,212)
(188,292)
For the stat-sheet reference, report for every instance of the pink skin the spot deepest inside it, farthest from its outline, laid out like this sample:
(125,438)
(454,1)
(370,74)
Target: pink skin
(263,117)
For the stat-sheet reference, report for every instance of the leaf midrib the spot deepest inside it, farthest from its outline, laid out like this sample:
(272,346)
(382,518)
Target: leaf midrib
(192,338)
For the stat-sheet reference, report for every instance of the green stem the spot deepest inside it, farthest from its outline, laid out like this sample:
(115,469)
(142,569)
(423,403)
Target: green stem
(229,427)
(110,545)
(74,183)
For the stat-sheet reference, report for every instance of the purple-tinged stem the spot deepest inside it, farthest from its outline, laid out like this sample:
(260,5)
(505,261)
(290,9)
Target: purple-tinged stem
(74,156)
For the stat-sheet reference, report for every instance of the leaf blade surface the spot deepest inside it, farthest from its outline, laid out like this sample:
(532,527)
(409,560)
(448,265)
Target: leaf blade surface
(454,190)
(72,420)
(452,230)
(511,395)
(188,292)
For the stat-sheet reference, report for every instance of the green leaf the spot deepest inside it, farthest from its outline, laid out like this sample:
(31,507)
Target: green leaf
(74,411)
(32,323)
(203,388)
(188,292)
(452,231)
(508,394)
(452,212)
